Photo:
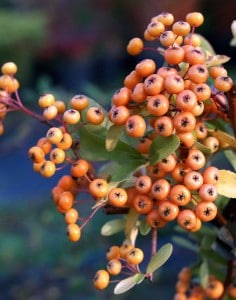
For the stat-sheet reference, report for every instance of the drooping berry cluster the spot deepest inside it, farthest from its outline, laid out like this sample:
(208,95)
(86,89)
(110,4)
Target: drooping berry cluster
(187,288)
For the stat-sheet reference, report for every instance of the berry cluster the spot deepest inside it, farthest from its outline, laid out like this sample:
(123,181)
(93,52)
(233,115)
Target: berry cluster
(187,289)
(8,85)
(160,118)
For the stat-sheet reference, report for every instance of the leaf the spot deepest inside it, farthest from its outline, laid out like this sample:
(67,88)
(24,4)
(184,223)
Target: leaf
(144,227)
(127,283)
(226,140)
(205,150)
(161,147)
(205,45)
(204,274)
(230,155)
(158,259)
(226,184)
(233,42)
(92,147)
(185,243)
(112,227)
(131,221)
(113,136)
(216,60)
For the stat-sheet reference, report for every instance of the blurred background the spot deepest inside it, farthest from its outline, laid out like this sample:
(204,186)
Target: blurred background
(66,48)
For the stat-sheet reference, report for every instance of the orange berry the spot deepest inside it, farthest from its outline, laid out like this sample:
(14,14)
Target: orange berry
(54,135)
(215,289)
(46,100)
(122,96)
(155,28)
(223,83)
(143,204)
(174,55)
(79,168)
(154,220)
(113,253)
(135,256)
(165,17)
(168,211)
(44,144)
(60,106)
(73,232)
(71,216)
(206,211)
(153,84)
(57,156)
(95,115)
(66,201)
(180,195)
(145,67)
(181,28)
(160,189)
(198,73)
(187,219)
(174,84)
(71,116)
(163,126)
(135,126)
(167,38)
(47,169)
(50,112)
(9,68)
(195,19)
(98,188)
(114,266)
(135,46)
(117,197)
(36,154)
(79,102)
(101,279)
(66,142)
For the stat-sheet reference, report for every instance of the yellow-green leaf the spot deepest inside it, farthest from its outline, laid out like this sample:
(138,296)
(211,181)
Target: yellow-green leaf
(127,283)
(113,136)
(216,60)
(226,185)
(158,259)
(226,140)
(112,227)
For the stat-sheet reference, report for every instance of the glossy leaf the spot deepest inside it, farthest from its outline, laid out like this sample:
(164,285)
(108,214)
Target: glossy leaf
(131,221)
(112,227)
(127,283)
(226,184)
(92,147)
(113,136)
(158,259)
(161,147)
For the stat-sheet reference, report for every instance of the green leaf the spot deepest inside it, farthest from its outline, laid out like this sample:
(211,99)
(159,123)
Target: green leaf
(226,184)
(185,243)
(205,45)
(144,227)
(92,147)
(112,227)
(127,283)
(161,147)
(204,274)
(113,136)
(158,259)
(205,150)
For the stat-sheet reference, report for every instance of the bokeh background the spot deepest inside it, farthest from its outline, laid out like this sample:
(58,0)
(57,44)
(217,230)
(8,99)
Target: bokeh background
(73,47)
